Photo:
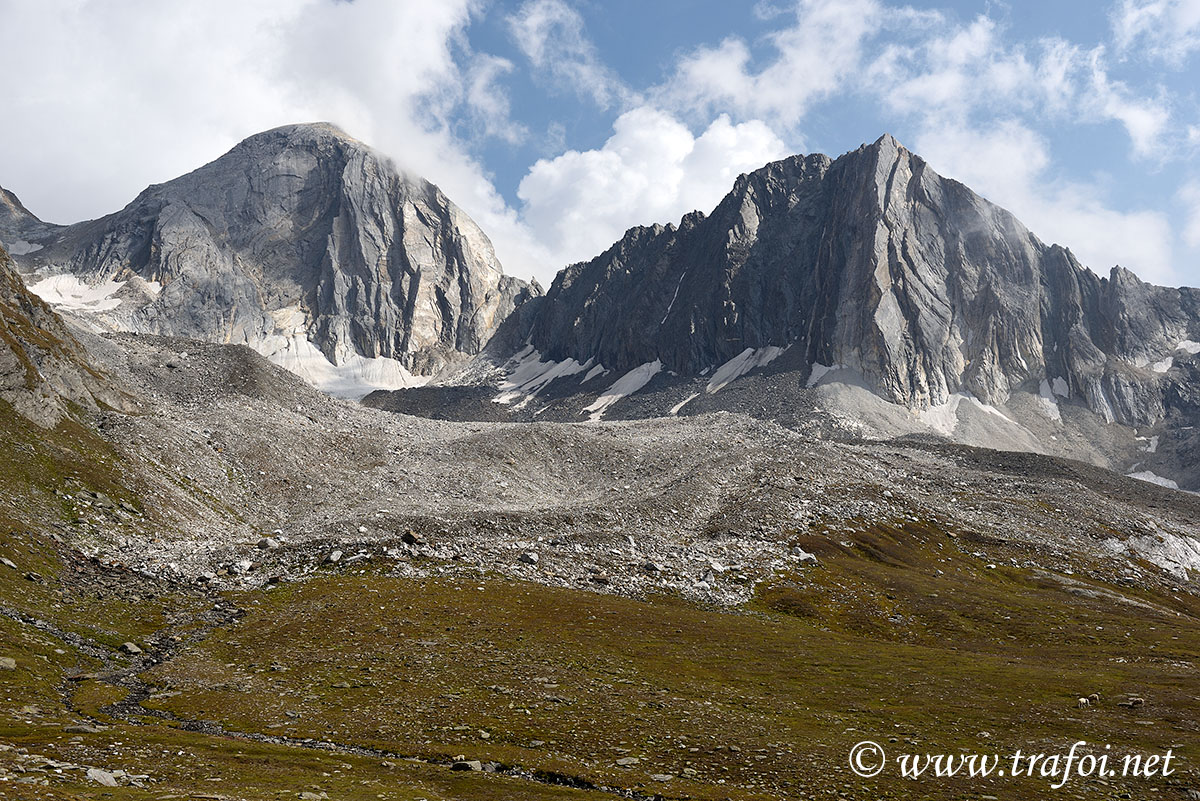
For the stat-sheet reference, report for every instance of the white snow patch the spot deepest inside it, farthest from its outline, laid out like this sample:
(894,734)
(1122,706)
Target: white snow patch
(68,293)
(1189,346)
(741,364)
(819,371)
(20,247)
(671,305)
(1048,405)
(1151,444)
(944,418)
(1059,387)
(675,409)
(530,374)
(354,377)
(627,384)
(1163,365)
(590,374)
(1149,477)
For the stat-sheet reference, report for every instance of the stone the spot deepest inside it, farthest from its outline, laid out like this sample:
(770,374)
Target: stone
(130,648)
(7,663)
(529,558)
(661,777)
(268,544)
(626,762)
(467,764)
(102,777)
(412,538)
(7,563)
(82,728)
(333,557)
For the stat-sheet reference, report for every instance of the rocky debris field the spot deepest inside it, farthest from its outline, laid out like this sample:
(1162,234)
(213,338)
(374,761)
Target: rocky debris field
(247,589)
(248,477)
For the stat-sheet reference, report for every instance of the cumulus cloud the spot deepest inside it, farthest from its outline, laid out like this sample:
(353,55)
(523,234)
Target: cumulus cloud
(1145,119)
(811,59)
(114,96)
(488,101)
(1168,30)
(551,35)
(1189,196)
(652,169)
(1010,164)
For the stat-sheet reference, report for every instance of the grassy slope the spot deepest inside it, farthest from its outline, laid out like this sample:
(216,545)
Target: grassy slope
(899,633)
(771,701)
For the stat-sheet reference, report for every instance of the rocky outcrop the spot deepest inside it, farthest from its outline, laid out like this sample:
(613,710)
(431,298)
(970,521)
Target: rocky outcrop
(875,263)
(43,368)
(301,242)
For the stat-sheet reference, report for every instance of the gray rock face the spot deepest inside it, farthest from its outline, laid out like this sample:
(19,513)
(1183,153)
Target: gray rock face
(874,262)
(42,366)
(300,234)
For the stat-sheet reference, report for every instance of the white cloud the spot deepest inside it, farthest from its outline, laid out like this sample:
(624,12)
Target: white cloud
(550,33)
(1165,29)
(112,97)
(963,69)
(1189,196)
(813,58)
(489,102)
(652,169)
(1010,165)
(1145,119)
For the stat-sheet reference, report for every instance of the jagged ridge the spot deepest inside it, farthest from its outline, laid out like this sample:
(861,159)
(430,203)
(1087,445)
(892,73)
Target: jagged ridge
(875,262)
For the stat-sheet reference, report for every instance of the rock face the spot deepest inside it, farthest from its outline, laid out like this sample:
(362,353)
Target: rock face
(875,263)
(300,242)
(43,367)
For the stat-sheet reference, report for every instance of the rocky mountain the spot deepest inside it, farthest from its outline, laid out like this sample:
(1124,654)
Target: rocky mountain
(43,368)
(301,242)
(871,292)
(875,263)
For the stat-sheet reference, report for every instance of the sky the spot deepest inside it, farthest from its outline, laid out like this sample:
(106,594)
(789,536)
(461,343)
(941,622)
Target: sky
(559,124)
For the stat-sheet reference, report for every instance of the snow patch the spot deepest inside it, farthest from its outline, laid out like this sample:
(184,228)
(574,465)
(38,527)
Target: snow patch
(944,418)
(1164,365)
(66,292)
(1150,477)
(671,305)
(590,374)
(355,377)
(741,364)
(675,409)
(1189,346)
(529,374)
(627,384)
(20,247)
(819,371)
(1059,387)
(1047,403)
(1151,444)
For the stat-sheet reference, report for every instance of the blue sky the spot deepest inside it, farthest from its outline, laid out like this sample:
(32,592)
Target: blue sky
(557,124)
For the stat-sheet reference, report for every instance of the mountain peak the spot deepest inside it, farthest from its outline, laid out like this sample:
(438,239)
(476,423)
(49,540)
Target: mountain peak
(876,263)
(305,132)
(309,246)
(888,141)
